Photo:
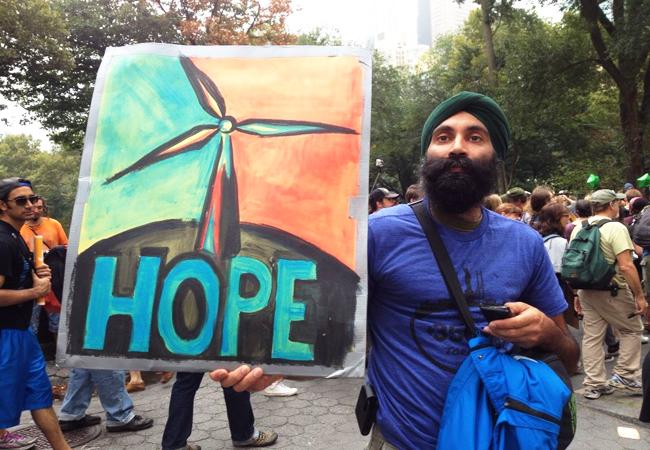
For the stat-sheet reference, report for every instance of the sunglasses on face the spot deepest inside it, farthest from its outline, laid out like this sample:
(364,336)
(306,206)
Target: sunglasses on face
(22,200)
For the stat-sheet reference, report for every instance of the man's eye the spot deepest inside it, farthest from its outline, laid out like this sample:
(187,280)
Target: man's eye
(475,138)
(442,138)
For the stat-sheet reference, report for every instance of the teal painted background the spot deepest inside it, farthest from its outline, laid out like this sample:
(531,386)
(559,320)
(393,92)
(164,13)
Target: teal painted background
(146,101)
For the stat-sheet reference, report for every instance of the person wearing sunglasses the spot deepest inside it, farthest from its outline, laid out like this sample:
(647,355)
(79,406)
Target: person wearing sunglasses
(23,379)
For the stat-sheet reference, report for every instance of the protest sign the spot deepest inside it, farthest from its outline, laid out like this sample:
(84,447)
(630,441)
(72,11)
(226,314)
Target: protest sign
(221,213)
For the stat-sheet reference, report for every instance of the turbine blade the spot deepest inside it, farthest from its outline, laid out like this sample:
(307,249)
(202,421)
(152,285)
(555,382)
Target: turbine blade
(206,91)
(190,140)
(271,127)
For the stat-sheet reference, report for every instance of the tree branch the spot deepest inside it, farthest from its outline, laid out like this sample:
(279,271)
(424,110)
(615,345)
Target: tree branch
(255,17)
(161,6)
(574,64)
(605,22)
(590,12)
(645,101)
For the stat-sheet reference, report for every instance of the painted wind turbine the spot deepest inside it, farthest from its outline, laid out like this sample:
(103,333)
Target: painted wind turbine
(218,232)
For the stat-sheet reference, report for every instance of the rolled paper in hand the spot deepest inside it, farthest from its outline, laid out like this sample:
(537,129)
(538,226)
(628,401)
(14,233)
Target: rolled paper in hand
(39,260)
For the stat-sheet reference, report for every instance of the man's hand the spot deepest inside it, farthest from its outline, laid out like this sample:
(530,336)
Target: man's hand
(577,305)
(244,379)
(641,305)
(529,327)
(43,271)
(41,286)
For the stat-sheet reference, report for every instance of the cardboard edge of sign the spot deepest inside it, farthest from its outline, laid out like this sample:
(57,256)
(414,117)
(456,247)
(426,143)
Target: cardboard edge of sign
(354,364)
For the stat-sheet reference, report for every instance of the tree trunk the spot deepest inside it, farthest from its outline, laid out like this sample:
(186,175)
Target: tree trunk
(489,44)
(632,132)
(502,184)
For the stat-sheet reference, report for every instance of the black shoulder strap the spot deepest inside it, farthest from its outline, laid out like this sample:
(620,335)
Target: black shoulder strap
(446,267)
(551,236)
(602,222)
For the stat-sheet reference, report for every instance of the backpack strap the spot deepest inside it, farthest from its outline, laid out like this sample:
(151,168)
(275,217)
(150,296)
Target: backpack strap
(602,222)
(586,225)
(444,263)
(551,236)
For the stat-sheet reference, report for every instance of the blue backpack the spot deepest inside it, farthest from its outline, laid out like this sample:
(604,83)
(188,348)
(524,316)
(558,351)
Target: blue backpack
(497,401)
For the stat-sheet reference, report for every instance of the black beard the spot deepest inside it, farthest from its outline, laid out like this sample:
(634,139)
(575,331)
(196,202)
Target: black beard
(457,192)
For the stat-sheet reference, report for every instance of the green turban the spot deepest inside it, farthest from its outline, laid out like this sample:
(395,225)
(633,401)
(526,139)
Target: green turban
(480,106)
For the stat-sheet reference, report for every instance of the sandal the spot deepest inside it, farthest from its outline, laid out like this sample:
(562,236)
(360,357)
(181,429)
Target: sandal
(134,387)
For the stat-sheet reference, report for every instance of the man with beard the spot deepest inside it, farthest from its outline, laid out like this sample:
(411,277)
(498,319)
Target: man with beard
(416,329)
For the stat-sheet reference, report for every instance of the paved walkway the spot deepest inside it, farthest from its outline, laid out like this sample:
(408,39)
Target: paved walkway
(321,416)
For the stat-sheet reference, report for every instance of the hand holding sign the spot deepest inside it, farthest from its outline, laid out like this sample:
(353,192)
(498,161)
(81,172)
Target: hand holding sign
(243,378)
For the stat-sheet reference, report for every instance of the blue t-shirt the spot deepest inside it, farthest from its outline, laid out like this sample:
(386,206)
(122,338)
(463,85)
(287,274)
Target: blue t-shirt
(417,333)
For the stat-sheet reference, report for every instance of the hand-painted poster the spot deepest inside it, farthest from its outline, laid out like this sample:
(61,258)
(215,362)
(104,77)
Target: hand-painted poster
(221,212)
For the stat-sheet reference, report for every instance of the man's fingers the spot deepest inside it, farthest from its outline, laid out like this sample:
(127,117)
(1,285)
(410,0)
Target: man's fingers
(248,382)
(218,375)
(235,376)
(243,378)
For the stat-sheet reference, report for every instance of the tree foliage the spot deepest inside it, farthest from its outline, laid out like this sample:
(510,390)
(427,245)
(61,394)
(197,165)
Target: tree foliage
(56,84)
(557,101)
(53,49)
(620,34)
(54,175)
(223,22)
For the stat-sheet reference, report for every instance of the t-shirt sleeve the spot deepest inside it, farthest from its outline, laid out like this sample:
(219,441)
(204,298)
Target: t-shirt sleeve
(63,239)
(543,290)
(619,238)
(6,260)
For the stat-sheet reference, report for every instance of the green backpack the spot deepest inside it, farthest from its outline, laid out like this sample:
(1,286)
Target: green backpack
(583,265)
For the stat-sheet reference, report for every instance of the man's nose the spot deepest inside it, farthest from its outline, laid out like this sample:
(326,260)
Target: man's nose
(458,147)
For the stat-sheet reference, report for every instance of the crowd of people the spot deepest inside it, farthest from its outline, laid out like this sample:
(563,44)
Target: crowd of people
(613,319)
(506,251)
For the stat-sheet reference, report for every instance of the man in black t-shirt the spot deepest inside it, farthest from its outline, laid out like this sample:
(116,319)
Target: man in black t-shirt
(24,383)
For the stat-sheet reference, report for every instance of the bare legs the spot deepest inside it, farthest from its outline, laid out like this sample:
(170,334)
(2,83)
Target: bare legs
(49,425)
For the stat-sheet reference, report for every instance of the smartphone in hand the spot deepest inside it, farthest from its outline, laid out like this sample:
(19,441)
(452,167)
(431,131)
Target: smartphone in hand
(495,312)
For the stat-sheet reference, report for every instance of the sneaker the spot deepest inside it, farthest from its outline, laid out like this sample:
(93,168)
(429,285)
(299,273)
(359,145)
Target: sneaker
(279,389)
(84,422)
(136,424)
(263,439)
(593,393)
(626,384)
(645,339)
(610,358)
(16,441)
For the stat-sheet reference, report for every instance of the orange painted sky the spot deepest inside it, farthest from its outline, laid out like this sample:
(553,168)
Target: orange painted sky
(300,184)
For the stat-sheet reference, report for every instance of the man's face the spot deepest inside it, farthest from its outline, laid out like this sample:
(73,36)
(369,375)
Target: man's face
(461,166)
(37,210)
(18,204)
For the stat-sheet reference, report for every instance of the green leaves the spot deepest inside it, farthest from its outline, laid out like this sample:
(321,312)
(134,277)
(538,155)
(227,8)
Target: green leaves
(53,174)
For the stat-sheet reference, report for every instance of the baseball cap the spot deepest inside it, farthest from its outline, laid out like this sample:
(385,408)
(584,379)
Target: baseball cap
(628,186)
(515,192)
(603,196)
(9,184)
(388,194)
